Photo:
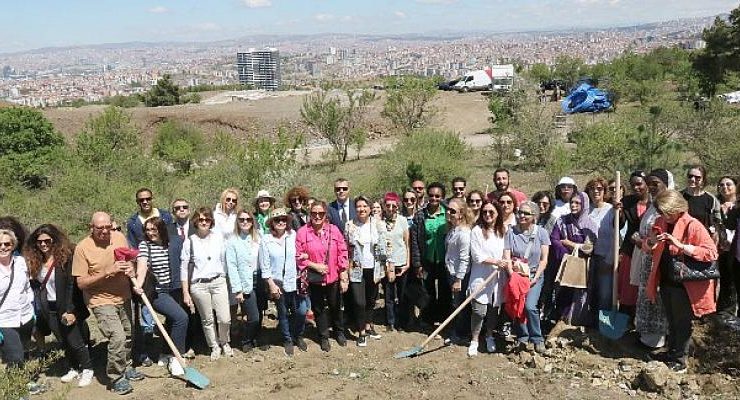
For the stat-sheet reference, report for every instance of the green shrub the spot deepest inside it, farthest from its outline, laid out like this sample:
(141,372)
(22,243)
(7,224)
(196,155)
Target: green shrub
(179,144)
(437,156)
(14,381)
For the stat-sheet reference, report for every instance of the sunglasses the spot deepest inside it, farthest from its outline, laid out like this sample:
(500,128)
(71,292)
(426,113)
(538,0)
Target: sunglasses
(6,244)
(452,211)
(281,220)
(459,188)
(201,219)
(696,177)
(341,188)
(598,189)
(489,212)
(506,201)
(320,214)
(118,228)
(524,214)
(543,203)
(230,200)
(612,189)
(409,199)
(418,188)
(475,201)
(243,220)
(391,206)
(144,200)
(296,200)
(181,208)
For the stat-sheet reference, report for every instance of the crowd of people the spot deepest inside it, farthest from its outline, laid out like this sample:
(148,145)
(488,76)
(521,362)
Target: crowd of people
(212,272)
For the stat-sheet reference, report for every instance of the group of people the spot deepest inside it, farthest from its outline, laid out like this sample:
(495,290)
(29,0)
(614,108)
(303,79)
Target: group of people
(209,268)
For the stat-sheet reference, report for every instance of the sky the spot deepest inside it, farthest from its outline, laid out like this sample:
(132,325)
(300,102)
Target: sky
(29,24)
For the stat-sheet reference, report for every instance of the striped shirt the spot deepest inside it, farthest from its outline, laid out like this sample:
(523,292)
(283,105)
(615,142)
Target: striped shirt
(158,262)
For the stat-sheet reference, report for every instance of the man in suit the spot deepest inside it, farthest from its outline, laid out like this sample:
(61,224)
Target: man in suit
(180,228)
(342,209)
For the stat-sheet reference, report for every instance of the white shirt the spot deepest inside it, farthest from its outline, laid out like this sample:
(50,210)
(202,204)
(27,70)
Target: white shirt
(209,257)
(51,289)
(224,223)
(480,250)
(18,306)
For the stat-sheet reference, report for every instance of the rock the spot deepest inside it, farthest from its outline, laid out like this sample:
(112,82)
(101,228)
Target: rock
(547,368)
(596,382)
(654,377)
(258,358)
(537,362)
(353,375)
(624,366)
(525,358)
(335,372)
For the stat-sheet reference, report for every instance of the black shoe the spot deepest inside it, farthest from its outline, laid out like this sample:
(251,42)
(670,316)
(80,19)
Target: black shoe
(288,348)
(341,339)
(362,341)
(247,347)
(371,332)
(390,328)
(325,345)
(661,356)
(301,344)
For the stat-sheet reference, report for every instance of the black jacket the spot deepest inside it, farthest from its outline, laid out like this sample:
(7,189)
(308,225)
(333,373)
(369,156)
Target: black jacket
(632,219)
(69,296)
(174,250)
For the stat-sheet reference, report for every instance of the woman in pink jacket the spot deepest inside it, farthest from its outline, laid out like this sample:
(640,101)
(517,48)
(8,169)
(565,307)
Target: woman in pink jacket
(322,253)
(676,233)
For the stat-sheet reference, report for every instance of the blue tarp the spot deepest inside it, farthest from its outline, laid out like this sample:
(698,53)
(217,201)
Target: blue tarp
(586,98)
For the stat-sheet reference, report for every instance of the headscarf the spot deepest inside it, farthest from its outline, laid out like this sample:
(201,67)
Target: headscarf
(582,220)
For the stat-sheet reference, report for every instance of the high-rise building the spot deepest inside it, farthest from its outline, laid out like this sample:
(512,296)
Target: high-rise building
(259,68)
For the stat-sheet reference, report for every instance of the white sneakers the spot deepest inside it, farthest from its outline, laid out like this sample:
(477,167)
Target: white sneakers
(473,349)
(175,367)
(228,352)
(215,353)
(71,375)
(85,378)
(490,344)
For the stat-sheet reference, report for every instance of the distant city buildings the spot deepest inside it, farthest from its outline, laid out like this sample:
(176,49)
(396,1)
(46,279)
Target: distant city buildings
(259,68)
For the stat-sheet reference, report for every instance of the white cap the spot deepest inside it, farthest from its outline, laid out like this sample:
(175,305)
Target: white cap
(264,194)
(566,180)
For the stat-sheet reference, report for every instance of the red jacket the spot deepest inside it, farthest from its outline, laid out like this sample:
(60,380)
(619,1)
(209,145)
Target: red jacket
(701,247)
(515,297)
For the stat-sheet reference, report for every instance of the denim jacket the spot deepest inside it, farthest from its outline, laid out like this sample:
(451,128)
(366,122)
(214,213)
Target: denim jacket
(277,260)
(240,263)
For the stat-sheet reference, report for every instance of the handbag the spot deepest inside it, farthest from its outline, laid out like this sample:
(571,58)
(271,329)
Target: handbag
(315,277)
(150,280)
(573,270)
(687,269)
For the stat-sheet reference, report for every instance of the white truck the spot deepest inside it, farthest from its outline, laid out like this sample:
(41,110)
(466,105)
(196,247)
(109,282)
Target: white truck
(497,77)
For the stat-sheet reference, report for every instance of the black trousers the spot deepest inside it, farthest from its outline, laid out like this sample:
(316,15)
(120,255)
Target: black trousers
(74,339)
(326,306)
(397,309)
(728,290)
(14,342)
(364,294)
(440,293)
(679,314)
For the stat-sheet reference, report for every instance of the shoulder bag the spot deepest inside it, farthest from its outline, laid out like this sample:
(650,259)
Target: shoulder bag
(687,269)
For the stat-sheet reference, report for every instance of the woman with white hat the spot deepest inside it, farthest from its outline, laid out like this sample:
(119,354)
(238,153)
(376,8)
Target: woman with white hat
(263,204)
(564,190)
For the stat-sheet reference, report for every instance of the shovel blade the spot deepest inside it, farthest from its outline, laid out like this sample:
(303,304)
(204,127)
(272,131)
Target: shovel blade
(194,377)
(612,324)
(409,353)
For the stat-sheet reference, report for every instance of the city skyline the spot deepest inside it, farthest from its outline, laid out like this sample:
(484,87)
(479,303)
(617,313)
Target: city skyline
(45,23)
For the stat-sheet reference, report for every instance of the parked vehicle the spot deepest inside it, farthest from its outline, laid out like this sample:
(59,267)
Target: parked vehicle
(498,77)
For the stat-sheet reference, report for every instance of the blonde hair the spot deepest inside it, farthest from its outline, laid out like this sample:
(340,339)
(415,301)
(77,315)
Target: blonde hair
(222,200)
(253,232)
(468,216)
(11,235)
(671,202)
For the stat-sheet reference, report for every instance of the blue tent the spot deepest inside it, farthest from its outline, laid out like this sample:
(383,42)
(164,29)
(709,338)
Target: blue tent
(586,98)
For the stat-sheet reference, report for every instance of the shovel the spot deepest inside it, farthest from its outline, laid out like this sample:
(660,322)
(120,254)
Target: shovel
(192,375)
(612,323)
(414,351)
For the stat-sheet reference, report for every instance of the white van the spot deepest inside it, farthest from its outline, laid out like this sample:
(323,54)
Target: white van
(474,80)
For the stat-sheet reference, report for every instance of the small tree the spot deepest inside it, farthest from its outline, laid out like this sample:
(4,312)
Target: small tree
(28,143)
(107,140)
(506,109)
(179,144)
(164,93)
(336,122)
(408,104)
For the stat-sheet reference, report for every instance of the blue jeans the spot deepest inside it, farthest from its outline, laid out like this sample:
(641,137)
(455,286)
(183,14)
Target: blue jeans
(531,330)
(252,324)
(396,307)
(177,318)
(291,308)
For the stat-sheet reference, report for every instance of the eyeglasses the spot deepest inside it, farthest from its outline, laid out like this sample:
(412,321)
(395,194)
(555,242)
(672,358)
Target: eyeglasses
(695,177)
(409,199)
(320,214)
(598,189)
(524,213)
(6,244)
(506,201)
(230,200)
(243,220)
(459,188)
(488,212)
(418,188)
(103,227)
(341,188)
(144,200)
(202,219)
(181,208)
(452,211)
(296,200)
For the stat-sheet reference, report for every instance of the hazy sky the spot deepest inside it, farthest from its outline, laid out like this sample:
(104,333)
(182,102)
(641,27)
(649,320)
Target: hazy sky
(27,24)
